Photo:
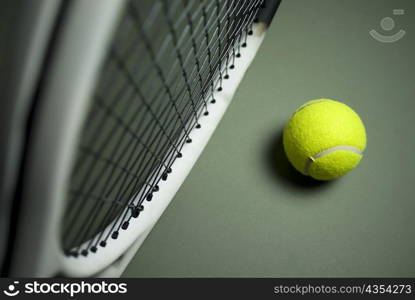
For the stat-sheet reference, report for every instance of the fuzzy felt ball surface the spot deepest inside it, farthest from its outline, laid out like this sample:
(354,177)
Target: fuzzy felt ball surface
(324,139)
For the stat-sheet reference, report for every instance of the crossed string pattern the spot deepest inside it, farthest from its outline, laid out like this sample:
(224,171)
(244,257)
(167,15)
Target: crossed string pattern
(166,60)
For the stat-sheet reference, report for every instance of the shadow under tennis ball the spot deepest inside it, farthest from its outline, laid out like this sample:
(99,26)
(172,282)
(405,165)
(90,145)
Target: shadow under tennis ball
(278,165)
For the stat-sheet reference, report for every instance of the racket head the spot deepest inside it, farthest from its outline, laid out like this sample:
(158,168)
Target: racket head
(82,44)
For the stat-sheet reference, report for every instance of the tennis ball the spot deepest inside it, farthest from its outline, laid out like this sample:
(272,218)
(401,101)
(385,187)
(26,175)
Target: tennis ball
(324,139)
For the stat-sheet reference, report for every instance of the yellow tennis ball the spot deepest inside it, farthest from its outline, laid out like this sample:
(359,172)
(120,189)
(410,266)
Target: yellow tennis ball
(324,139)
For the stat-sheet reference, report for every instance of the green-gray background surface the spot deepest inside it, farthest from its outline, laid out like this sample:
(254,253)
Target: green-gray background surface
(242,212)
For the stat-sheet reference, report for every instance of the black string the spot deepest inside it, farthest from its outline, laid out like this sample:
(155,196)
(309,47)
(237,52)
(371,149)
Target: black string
(165,62)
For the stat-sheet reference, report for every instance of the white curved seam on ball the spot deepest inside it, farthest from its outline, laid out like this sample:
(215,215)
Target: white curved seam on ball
(328,151)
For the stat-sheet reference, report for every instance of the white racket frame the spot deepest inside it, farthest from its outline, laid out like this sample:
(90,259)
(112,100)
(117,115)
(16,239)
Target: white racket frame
(64,102)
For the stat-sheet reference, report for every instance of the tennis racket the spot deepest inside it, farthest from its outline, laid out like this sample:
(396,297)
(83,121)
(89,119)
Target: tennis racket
(116,100)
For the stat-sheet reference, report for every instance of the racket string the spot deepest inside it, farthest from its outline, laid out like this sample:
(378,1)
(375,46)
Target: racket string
(165,63)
